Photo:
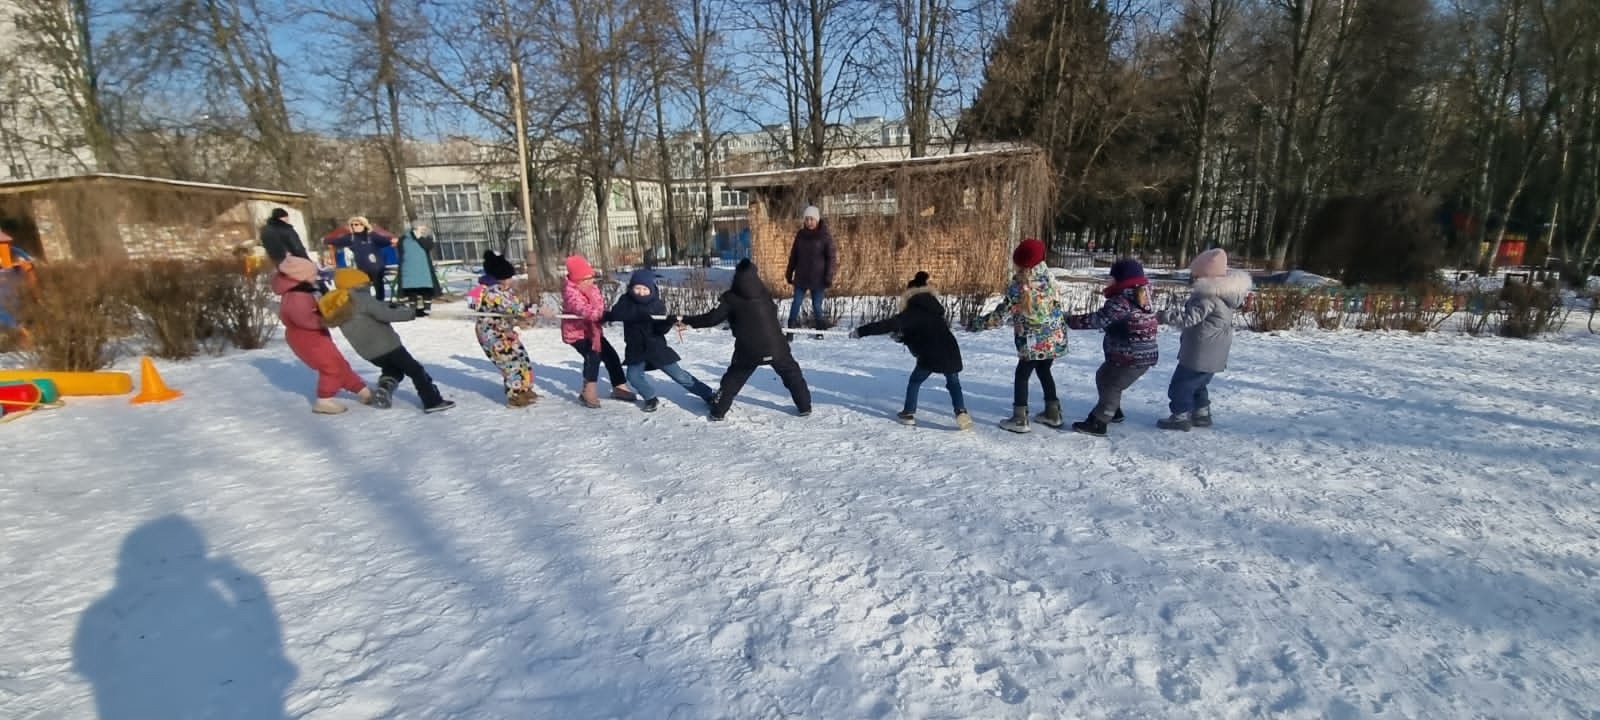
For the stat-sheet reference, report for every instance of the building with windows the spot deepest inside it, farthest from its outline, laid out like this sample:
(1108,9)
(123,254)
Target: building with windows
(40,137)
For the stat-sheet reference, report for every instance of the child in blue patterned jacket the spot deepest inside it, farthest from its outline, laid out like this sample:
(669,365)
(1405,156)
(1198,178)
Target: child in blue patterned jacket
(1130,327)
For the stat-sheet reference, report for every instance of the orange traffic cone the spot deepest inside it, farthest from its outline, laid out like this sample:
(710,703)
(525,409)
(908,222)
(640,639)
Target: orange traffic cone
(151,388)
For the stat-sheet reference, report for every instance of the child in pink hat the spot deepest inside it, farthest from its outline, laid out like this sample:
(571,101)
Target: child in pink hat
(580,296)
(1207,323)
(308,336)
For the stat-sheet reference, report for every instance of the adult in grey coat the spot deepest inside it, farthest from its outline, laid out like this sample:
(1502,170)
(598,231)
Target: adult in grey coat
(1207,323)
(370,331)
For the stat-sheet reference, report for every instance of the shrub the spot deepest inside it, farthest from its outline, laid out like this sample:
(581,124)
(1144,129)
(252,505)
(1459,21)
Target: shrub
(238,309)
(1274,310)
(1531,310)
(169,298)
(75,316)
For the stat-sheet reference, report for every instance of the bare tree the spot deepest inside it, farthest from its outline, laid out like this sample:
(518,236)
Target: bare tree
(226,50)
(1203,29)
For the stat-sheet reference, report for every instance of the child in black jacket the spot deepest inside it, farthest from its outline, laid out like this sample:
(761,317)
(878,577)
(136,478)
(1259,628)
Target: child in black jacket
(921,325)
(752,314)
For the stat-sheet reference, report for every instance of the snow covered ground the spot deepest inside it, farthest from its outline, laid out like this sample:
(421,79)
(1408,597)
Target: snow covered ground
(1379,526)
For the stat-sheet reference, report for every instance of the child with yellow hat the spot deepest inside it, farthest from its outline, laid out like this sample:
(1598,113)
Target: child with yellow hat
(367,325)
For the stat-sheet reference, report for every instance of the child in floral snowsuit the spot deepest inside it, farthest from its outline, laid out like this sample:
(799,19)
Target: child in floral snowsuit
(497,334)
(1033,305)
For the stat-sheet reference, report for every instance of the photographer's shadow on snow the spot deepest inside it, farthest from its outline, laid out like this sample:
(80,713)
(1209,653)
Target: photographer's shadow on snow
(182,635)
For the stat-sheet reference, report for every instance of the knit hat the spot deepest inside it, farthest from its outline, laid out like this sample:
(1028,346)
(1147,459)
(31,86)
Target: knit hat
(497,266)
(1029,253)
(921,280)
(299,269)
(1211,263)
(279,214)
(1126,269)
(811,212)
(578,268)
(349,278)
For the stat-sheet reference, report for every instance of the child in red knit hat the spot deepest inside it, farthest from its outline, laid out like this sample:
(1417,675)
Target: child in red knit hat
(1033,305)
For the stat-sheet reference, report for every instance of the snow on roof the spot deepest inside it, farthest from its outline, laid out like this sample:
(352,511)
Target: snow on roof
(16,186)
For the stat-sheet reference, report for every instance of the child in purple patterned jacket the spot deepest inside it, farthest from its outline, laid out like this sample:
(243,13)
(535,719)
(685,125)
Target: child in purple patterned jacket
(1130,342)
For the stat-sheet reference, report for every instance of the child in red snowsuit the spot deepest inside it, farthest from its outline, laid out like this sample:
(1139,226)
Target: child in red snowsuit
(309,338)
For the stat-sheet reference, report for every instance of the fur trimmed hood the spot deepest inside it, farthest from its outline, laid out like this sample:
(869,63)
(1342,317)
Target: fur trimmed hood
(911,294)
(1231,289)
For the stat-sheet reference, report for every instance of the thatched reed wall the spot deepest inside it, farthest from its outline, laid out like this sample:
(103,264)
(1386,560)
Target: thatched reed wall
(956,217)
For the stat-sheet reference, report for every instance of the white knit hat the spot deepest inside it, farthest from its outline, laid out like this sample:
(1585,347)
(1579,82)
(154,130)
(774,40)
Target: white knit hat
(812,212)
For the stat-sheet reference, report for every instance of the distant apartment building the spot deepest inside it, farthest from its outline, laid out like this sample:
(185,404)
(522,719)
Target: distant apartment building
(39,135)
(469,193)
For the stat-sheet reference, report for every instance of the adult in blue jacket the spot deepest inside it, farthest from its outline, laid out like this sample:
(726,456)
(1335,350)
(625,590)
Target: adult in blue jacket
(368,246)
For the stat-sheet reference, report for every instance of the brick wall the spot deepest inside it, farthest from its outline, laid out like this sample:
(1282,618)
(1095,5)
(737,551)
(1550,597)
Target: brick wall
(190,241)
(52,233)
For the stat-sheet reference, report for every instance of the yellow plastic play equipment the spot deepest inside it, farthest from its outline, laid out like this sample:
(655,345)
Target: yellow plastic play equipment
(104,382)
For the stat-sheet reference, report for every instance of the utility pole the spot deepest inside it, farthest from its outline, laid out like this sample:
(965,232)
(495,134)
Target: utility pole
(532,261)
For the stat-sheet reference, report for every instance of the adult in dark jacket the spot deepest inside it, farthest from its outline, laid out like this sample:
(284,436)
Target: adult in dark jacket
(646,346)
(367,245)
(419,283)
(922,326)
(813,259)
(280,239)
(752,314)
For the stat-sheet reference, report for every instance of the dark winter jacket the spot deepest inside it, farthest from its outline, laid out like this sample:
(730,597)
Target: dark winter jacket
(280,240)
(812,259)
(645,338)
(418,274)
(367,246)
(752,314)
(1130,326)
(368,330)
(921,325)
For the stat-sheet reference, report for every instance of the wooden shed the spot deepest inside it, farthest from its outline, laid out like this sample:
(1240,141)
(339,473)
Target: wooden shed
(955,216)
(105,215)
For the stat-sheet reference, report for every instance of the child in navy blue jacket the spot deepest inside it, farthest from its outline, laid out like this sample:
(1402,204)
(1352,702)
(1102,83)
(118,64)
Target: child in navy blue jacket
(646,340)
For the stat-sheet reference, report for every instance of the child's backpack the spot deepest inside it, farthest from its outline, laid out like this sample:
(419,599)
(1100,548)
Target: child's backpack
(336,307)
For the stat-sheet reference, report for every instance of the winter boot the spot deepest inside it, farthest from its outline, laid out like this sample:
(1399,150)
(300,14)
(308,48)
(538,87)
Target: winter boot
(652,404)
(1091,425)
(383,397)
(1201,417)
(621,392)
(908,419)
(365,396)
(327,406)
(1178,421)
(1119,417)
(521,398)
(963,420)
(590,397)
(1018,422)
(1051,415)
(442,406)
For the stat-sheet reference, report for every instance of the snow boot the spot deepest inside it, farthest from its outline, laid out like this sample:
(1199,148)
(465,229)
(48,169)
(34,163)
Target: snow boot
(1091,425)
(521,398)
(806,412)
(383,397)
(1178,421)
(590,396)
(365,396)
(441,407)
(1201,417)
(1018,422)
(622,392)
(1119,417)
(327,406)
(908,419)
(963,420)
(1051,415)
(652,404)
